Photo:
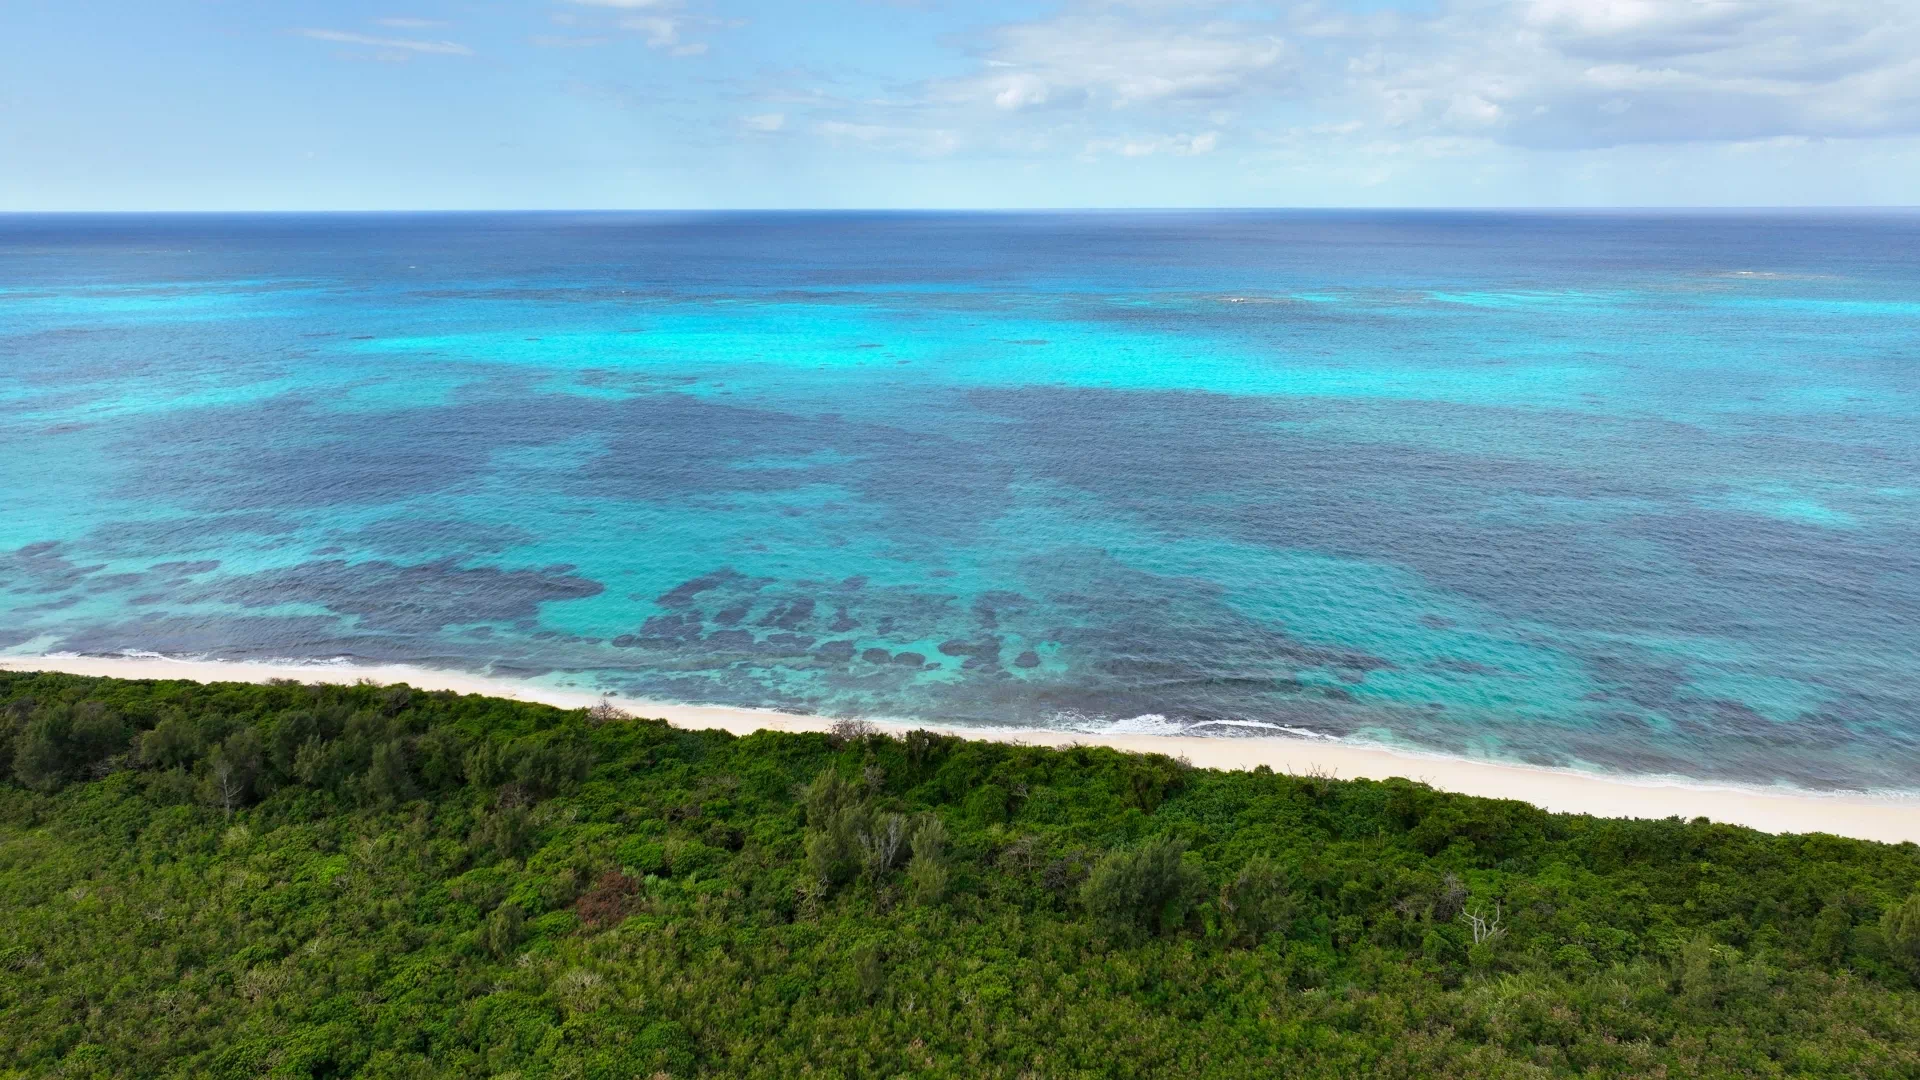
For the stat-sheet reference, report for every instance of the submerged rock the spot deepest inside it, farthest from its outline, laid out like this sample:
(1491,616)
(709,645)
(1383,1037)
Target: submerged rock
(678,627)
(683,594)
(790,615)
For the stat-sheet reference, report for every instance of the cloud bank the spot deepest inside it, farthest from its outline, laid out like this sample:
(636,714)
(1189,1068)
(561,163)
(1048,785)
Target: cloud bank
(1154,77)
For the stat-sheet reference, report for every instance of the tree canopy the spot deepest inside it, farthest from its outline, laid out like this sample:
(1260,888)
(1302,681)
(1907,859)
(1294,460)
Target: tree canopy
(240,880)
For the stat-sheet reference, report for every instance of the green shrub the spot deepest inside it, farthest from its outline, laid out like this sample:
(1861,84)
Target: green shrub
(1257,902)
(62,740)
(987,804)
(1900,927)
(926,880)
(504,929)
(1832,932)
(827,796)
(644,856)
(1150,887)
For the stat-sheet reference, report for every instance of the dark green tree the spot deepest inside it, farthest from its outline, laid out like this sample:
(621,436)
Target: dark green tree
(1901,927)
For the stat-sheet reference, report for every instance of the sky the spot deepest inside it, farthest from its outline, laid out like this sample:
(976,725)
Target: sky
(495,104)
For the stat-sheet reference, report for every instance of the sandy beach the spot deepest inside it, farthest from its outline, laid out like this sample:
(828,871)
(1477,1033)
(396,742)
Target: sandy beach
(1887,818)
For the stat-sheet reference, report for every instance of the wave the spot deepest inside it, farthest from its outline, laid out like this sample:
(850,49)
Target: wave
(1159,724)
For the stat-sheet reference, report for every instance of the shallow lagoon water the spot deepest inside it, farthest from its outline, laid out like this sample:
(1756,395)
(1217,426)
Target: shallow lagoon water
(1628,492)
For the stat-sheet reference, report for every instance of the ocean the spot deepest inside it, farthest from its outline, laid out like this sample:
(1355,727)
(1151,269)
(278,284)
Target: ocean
(1630,492)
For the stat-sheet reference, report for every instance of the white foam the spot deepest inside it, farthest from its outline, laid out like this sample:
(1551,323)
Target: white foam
(1158,724)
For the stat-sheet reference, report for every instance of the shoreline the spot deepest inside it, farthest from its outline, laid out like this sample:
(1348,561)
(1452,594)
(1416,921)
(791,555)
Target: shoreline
(1887,818)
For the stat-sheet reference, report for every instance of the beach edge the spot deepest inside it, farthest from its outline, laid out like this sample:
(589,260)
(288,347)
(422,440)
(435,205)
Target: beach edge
(1885,818)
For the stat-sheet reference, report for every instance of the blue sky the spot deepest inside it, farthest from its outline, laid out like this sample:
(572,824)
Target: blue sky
(224,104)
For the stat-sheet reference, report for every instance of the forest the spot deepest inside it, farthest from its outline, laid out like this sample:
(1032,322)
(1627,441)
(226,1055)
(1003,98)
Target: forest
(289,880)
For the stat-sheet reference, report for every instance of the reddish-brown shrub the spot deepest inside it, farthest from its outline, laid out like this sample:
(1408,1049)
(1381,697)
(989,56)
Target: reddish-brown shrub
(612,898)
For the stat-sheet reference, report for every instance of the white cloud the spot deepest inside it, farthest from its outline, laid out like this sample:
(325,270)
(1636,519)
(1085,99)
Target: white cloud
(772,121)
(1592,73)
(343,37)
(1020,91)
(1454,80)
(661,31)
(1117,58)
(660,23)
(928,142)
(1181,145)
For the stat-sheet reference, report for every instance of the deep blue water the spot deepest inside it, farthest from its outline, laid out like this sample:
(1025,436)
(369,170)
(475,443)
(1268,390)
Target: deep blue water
(1630,492)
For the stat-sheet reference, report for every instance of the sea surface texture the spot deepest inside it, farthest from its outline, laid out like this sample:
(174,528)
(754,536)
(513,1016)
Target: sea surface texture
(1637,493)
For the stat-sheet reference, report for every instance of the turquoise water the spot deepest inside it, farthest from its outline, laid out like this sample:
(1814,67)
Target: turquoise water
(1633,493)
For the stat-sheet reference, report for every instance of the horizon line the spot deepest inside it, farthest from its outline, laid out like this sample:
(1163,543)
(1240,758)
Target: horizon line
(1428,208)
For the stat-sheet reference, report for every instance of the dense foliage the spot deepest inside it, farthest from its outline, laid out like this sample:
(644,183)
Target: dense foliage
(237,880)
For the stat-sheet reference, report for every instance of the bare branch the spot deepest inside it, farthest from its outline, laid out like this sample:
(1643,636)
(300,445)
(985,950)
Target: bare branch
(1485,928)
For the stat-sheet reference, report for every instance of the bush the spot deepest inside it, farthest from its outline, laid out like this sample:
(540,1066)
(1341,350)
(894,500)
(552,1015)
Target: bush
(611,899)
(883,841)
(551,763)
(1256,902)
(1151,887)
(389,779)
(930,839)
(843,733)
(233,771)
(174,743)
(926,880)
(506,833)
(61,741)
(1832,932)
(43,755)
(827,796)
(988,804)
(504,929)
(1900,927)
(644,856)
(833,850)
(927,874)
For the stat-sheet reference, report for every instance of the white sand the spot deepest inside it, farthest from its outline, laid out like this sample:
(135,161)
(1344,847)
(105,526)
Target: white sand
(1892,818)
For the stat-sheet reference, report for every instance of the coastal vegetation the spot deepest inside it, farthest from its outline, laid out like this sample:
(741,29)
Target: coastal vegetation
(238,880)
